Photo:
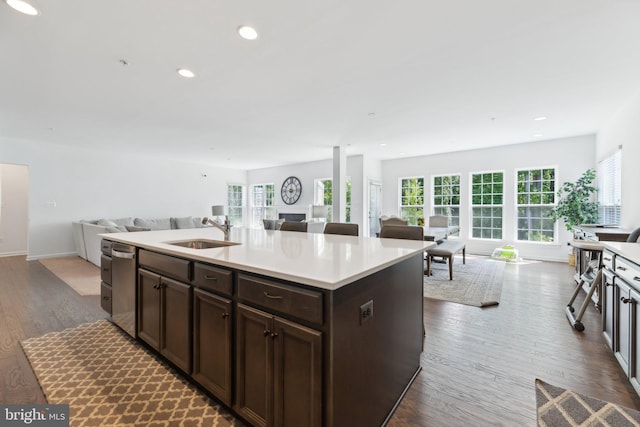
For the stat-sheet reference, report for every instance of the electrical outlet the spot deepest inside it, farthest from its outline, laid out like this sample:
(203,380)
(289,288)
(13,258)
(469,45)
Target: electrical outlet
(366,311)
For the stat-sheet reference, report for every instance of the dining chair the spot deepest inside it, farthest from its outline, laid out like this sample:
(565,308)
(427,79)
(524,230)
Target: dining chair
(294,226)
(345,229)
(392,221)
(408,232)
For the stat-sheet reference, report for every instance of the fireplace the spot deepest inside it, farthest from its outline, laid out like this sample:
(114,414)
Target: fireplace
(294,217)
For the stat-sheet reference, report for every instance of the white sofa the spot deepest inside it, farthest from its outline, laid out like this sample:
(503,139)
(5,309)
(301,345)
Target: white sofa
(87,239)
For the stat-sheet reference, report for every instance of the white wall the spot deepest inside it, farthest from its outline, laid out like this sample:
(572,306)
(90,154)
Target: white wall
(68,184)
(308,173)
(571,157)
(624,129)
(14,205)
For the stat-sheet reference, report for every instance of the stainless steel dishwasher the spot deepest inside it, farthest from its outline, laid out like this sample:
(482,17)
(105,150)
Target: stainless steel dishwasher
(123,282)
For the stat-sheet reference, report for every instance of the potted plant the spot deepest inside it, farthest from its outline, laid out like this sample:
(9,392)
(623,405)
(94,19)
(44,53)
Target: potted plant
(575,203)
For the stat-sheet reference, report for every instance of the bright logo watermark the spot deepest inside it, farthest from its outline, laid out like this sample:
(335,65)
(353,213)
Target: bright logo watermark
(34,415)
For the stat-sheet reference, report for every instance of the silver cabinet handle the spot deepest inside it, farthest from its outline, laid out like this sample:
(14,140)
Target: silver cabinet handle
(125,255)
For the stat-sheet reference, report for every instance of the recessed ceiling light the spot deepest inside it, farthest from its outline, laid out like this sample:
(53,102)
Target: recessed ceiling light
(248,33)
(383,145)
(22,7)
(538,119)
(537,135)
(186,73)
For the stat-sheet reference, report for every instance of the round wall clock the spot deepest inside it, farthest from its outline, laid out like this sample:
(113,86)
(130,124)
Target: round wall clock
(291,190)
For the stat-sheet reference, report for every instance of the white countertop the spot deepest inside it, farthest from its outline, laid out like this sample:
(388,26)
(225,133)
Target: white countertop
(630,251)
(325,261)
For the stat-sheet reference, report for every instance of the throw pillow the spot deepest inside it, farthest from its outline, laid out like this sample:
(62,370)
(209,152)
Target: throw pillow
(123,221)
(153,224)
(278,223)
(186,222)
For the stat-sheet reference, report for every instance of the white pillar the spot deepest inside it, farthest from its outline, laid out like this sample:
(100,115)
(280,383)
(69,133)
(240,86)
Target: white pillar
(339,184)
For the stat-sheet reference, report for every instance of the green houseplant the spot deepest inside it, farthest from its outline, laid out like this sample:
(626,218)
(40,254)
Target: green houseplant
(575,201)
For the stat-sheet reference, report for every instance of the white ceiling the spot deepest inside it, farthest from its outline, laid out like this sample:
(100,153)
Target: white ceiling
(420,76)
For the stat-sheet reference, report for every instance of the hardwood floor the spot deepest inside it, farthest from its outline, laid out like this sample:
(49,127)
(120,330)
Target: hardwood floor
(479,364)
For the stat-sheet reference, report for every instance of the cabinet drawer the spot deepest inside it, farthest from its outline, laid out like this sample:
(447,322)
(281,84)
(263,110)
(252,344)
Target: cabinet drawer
(176,268)
(105,247)
(607,259)
(105,269)
(105,297)
(300,303)
(628,271)
(212,278)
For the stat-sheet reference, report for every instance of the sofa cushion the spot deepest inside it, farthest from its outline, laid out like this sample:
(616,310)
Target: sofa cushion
(197,222)
(181,223)
(135,228)
(153,224)
(123,221)
(111,226)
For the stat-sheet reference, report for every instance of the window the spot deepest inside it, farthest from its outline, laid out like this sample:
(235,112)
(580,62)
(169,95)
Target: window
(263,203)
(486,205)
(535,201)
(324,196)
(412,199)
(235,203)
(609,189)
(446,197)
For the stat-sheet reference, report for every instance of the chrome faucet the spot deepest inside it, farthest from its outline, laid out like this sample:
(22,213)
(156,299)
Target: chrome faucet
(225,228)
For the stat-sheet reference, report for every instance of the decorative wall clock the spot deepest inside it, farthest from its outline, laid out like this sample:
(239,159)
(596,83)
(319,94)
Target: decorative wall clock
(291,190)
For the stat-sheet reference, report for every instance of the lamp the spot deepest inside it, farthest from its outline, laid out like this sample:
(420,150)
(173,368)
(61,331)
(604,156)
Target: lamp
(319,211)
(217,210)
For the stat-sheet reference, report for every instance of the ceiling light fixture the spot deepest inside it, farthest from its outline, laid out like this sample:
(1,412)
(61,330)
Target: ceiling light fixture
(538,119)
(247,33)
(22,7)
(537,135)
(186,73)
(383,145)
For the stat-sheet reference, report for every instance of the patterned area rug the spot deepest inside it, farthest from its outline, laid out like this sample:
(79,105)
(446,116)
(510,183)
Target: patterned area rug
(81,275)
(560,407)
(477,283)
(107,378)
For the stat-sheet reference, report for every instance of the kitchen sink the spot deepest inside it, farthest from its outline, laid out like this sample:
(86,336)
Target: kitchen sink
(202,243)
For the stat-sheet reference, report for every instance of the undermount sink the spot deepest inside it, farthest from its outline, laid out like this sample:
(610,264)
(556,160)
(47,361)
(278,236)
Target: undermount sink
(202,244)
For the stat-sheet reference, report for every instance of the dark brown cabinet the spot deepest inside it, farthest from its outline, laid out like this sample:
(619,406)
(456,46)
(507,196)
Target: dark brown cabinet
(164,317)
(278,370)
(212,343)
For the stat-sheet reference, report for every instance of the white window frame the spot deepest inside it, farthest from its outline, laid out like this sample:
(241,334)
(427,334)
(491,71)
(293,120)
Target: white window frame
(609,178)
(482,205)
(402,206)
(533,205)
(260,211)
(452,222)
(241,206)
(318,196)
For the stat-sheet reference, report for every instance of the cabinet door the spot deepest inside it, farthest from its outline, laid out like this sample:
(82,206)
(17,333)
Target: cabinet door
(634,370)
(297,359)
(212,344)
(622,337)
(254,366)
(149,308)
(608,307)
(175,320)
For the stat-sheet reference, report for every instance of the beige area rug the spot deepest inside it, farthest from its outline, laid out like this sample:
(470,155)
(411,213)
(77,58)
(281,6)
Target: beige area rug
(108,379)
(81,275)
(477,283)
(557,407)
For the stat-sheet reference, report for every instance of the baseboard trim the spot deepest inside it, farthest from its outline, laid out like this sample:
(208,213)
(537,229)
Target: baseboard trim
(8,254)
(60,255)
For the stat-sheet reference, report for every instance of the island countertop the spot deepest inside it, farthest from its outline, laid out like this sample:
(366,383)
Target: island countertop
(324,261)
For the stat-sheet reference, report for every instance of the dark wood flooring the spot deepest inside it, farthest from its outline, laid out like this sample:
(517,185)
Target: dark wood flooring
(479,364)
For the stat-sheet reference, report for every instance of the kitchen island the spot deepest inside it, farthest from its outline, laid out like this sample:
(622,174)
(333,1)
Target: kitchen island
(284,328)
